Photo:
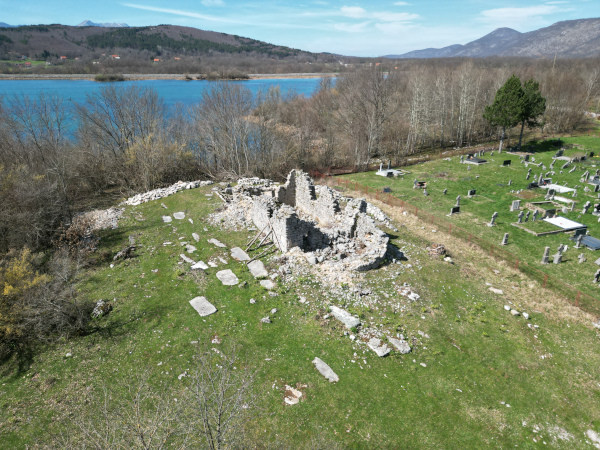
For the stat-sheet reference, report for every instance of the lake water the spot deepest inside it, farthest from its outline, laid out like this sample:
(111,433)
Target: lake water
(172,91)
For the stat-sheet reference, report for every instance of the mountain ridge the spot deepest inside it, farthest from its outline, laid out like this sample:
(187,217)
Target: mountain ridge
(569,38)
(89,23)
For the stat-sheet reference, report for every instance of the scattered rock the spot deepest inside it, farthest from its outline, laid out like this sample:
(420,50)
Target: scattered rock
(196,237)
(167,219)
(325,370)
(217,243)
(267,284)
(125,253)
(506,308)
(186,259)
(400,344)
(239,254)
(514,312)
(292,396)
(525,316)
(200,265)
(594,437)
(203,306)
(496,291)
(190,248)
(345,317)
(165,192)
(378,346)
(213,264)
(227,277)
(179,215)
(257,269)
(68,355)
(265,320)
(274,311)
(252,301)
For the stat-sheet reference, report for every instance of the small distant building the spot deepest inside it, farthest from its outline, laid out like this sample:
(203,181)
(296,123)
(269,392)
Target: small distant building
(156,60)
(177,58)
(63,57)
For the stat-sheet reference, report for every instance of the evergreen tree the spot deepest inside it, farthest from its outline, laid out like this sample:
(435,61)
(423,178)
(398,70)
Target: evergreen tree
(534,107)
(507,109)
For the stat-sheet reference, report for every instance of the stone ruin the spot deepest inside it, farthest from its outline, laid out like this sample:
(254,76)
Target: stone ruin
(326,227)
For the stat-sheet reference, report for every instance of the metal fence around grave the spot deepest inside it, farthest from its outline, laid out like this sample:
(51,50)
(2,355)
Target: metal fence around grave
(571,294)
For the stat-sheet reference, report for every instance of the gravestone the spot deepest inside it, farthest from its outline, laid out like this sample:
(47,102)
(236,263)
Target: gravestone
(559,153)
(596,211)
(520,217)
(533,185)
(471,193)
(528,176)
(527,158)
(535,215)
(572,206)
(557,258)
(491,224)
(458,201)
(516,205)
(425,193)
(415,184)
(445,191)
(509,182)
(506,163)
(578,240)
(462,159)
(505,239)
(421,184)
(597,188)
(387,190)
(591,154)
(582,258)
(455,210)
(586,206)
(527,216)
(597,276)
(546,255)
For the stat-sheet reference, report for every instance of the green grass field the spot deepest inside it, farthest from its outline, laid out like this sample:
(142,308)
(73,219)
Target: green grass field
(494,195)
(489,380)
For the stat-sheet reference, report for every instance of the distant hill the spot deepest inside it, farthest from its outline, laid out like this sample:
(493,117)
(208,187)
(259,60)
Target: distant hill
(570,38)
(5,25)
(89,23)
(88,41)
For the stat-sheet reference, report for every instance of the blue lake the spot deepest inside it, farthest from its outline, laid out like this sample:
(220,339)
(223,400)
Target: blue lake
(172,91)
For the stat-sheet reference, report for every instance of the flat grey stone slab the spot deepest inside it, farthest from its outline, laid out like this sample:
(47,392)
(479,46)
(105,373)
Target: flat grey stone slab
(325,370)
(378,346)
(190,248)
(239,254)
(200,265)
(345,317)
(196,237)
(227,277)
(217,243)
(203,306)
(179,215)
(267,284)
(400,344)
(213,264)
(187,260)
(167,219)
(257,269)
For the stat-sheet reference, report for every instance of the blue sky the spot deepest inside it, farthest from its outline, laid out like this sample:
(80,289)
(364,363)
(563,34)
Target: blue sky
(361,28)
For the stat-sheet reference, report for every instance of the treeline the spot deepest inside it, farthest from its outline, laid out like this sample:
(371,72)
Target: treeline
(58,158)
(141,38)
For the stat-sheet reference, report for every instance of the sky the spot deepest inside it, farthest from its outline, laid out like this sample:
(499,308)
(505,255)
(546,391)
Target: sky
(356,28)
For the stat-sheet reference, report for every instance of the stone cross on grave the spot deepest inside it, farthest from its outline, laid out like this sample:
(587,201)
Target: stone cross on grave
(535,215)
(586,207)
(578,241)
(415,184)
(582,258)
(520,217)
(546,255)
(505,239)
(491,224)
(560,249)
(457,201)
(462,159)
(541,177)
(527,216)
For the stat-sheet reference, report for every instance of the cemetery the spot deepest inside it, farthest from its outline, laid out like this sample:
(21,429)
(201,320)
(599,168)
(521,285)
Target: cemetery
(541,202)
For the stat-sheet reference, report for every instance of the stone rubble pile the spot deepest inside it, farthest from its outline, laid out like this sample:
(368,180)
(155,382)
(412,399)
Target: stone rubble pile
(165,192)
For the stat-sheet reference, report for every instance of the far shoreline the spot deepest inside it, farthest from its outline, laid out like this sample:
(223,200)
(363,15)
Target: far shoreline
(182,77)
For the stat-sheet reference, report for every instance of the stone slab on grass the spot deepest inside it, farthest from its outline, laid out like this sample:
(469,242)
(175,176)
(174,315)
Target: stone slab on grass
(167,219)
(345,317)
(187,260)
(257,269)
(378,346)
(239,254)
(179,215)
(400,344)
(200,265)
(325,370)
(190,248)
(196,237)
(227,277)
(203,306)
(217,243)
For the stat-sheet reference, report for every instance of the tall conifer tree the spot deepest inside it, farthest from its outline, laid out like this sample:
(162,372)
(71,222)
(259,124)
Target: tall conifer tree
(508,106)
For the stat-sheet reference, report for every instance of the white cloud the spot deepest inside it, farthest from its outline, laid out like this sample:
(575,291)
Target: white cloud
(401,4)
(351,28)
(179,12)
(355,12)
(517,15)
(213,2)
